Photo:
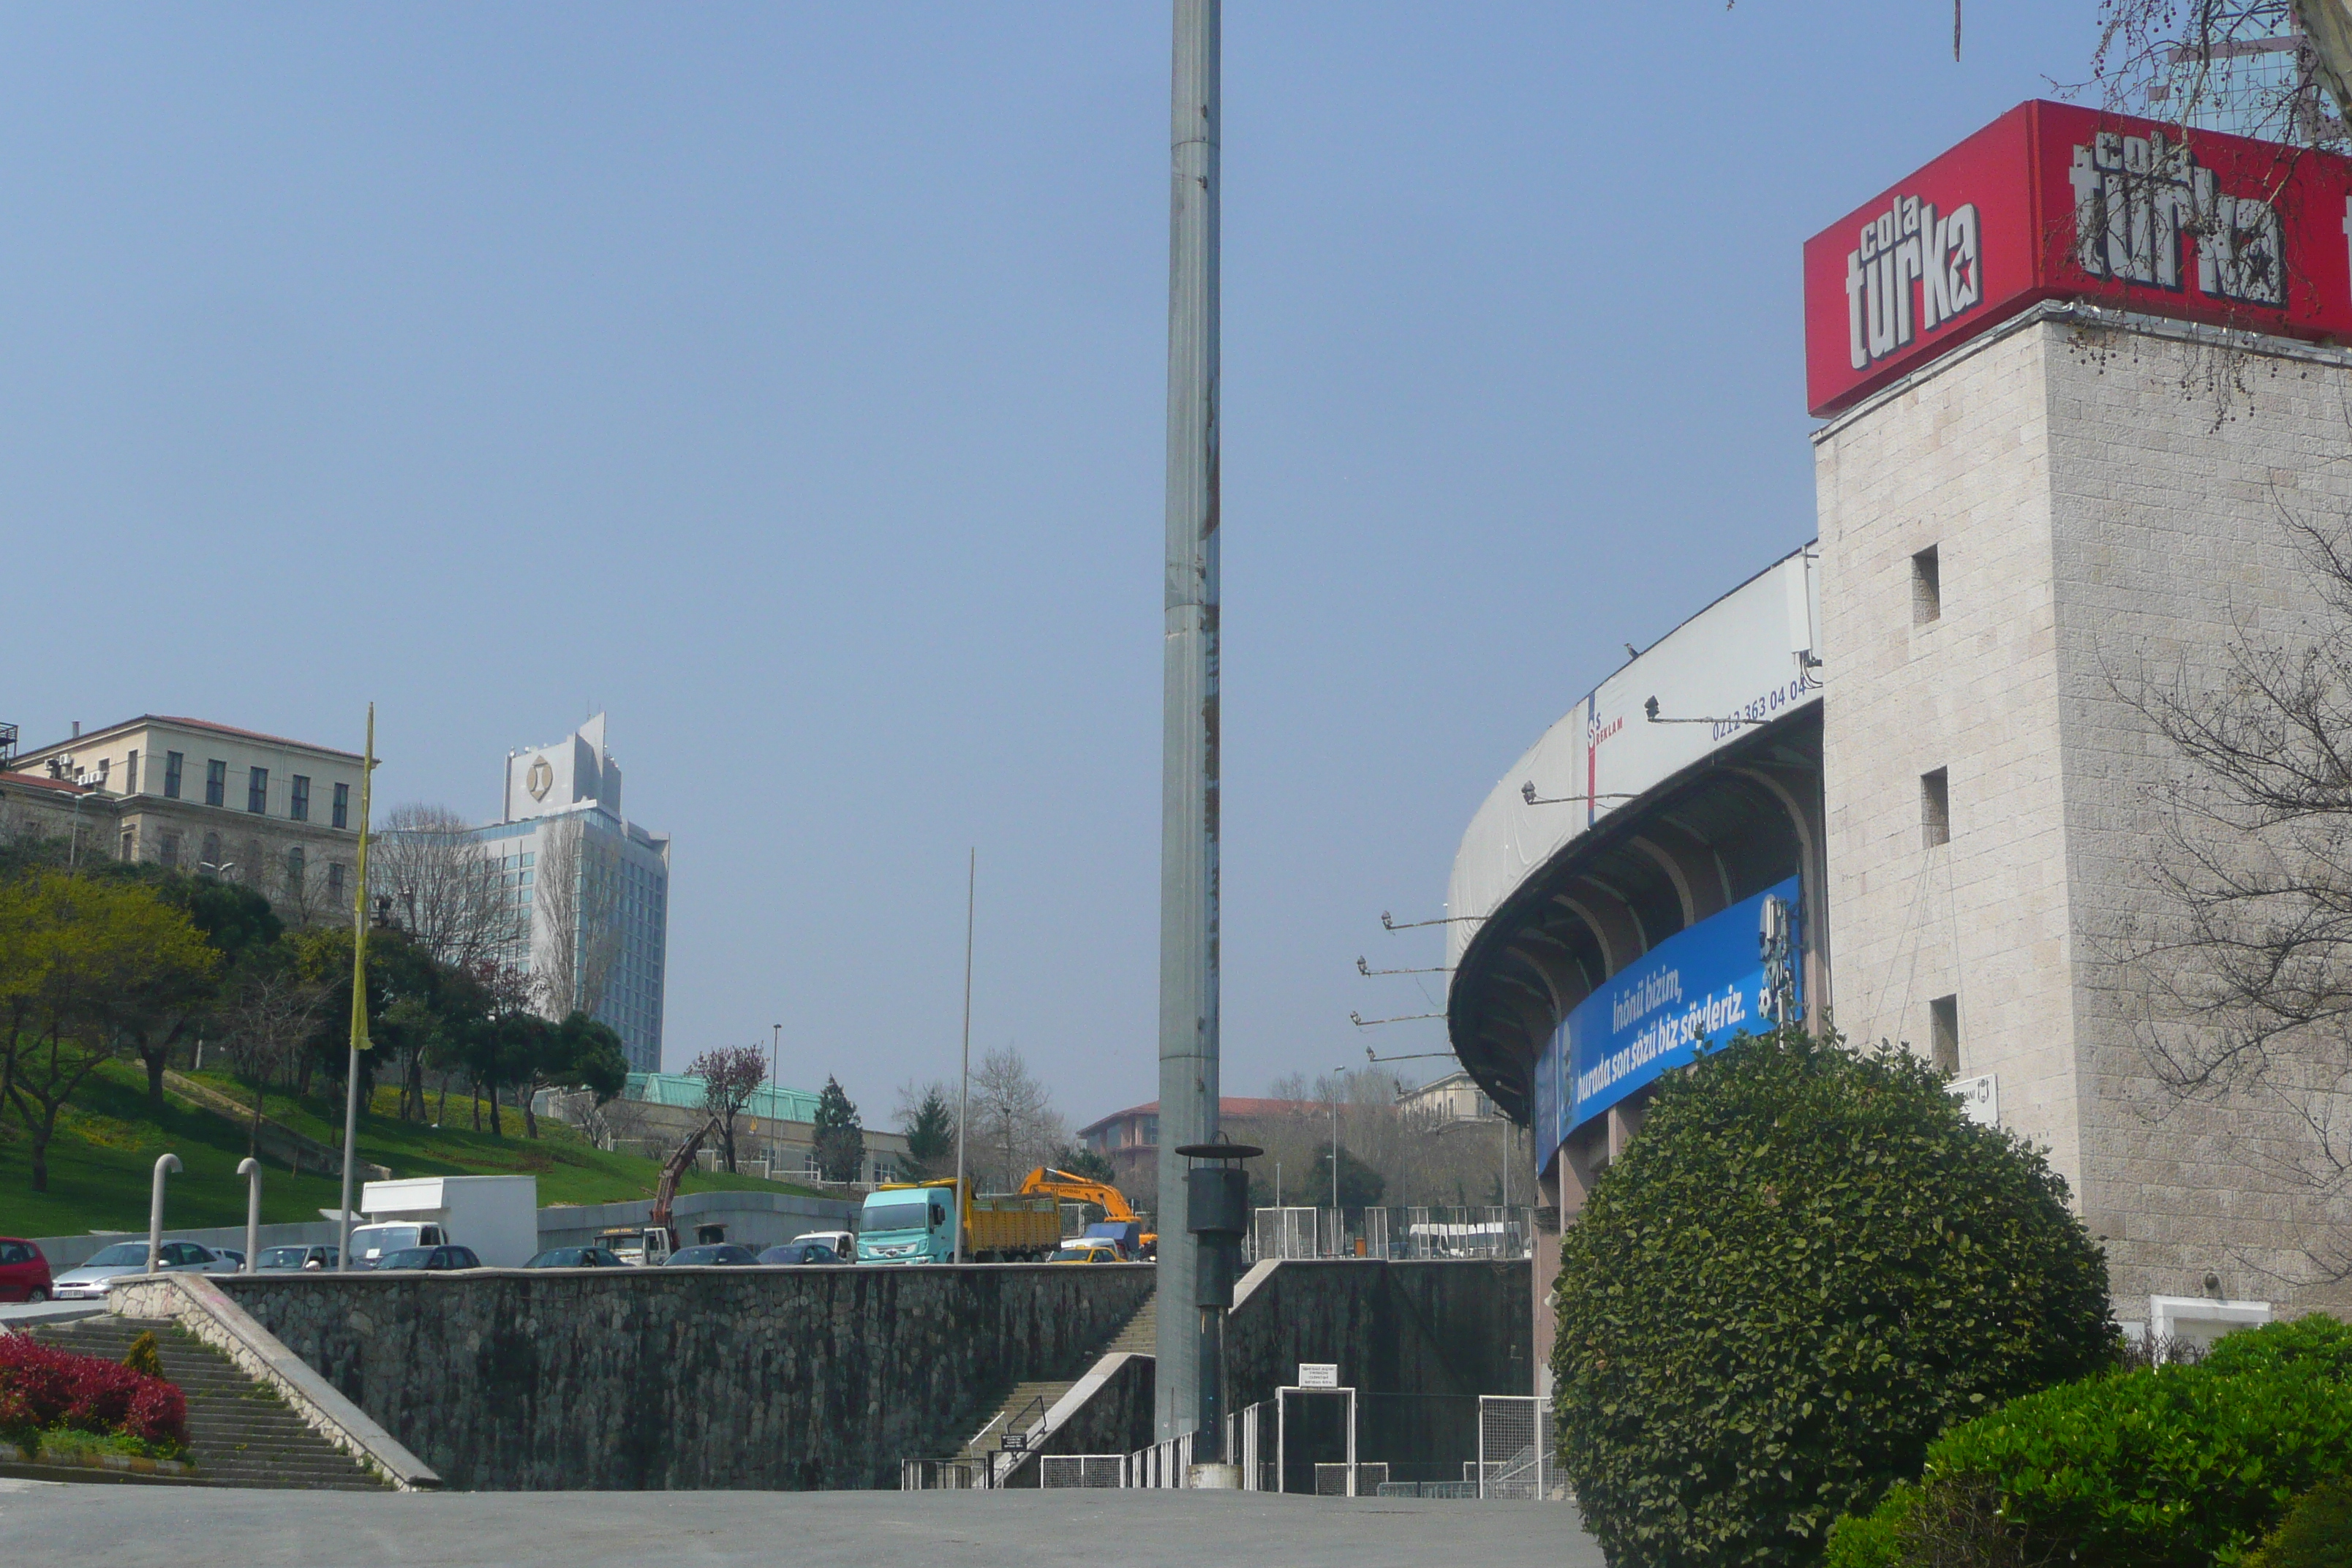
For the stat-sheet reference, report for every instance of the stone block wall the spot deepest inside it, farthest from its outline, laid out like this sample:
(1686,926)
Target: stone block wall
(785,1378)
(2101,516)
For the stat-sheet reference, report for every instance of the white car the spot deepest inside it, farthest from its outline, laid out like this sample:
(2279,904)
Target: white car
(129,1258)
(843,1242)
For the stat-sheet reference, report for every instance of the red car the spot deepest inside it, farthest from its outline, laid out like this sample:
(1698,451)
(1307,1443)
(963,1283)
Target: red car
(23,1272)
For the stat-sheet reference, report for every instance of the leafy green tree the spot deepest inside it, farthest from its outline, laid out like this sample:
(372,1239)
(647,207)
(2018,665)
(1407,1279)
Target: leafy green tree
(578,1053)
(1360,1187)
(83,963)
(840,1137)
(1081,1161)
(928,1120)
(1806,1266)
(234,918)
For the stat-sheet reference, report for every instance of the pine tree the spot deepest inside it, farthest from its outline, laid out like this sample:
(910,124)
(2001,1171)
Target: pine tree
(931,1132)
(840,1137)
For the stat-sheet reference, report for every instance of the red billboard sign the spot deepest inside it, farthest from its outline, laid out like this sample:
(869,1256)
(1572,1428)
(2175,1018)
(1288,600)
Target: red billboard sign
(2052,201)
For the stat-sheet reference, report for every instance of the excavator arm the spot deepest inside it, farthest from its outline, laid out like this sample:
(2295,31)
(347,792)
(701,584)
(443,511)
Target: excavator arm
(1047,1182)
(673,1170)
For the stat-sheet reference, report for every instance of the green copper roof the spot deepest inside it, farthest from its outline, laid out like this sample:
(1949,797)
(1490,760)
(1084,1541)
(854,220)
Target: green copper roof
(769,1102)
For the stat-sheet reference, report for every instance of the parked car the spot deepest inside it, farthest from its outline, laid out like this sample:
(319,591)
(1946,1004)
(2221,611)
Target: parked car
(1084,1251)
(290,1259)
(719,1255)
(576,1257)
(449,1257)
(125,1257)
(23,1272)
(843,1242)
(801,1252)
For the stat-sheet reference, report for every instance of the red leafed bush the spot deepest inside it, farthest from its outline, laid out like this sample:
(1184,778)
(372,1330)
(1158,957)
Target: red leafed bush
(43,1387)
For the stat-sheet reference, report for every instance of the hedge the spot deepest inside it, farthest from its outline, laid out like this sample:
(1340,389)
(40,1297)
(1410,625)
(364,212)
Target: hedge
(2168,1467)
(44,1388)
(1807,1264)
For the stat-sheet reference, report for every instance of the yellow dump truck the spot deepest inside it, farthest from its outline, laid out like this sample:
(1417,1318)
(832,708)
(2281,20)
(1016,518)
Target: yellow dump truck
(917,1222)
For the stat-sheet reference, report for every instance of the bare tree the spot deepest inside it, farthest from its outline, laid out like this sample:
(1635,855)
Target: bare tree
(446,890)
(1015,1127)
(729,1075)
(578,896)
(613,1123)
(1420,1156)
(2243,974)
(272,1013)
(2257,68)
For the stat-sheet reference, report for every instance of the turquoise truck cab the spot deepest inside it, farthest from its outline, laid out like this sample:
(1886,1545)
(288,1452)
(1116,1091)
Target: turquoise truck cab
(906,1224)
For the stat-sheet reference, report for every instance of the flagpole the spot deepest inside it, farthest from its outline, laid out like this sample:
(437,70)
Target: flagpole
(359,1002)
(963,1094)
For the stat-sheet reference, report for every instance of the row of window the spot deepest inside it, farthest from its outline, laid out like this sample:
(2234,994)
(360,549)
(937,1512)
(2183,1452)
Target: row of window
(257,788)
(209,861)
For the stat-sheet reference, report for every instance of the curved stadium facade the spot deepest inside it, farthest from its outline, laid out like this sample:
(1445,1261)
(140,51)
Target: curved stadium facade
(1892,782)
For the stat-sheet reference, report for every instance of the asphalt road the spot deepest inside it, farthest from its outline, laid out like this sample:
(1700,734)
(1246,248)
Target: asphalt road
(130,1526)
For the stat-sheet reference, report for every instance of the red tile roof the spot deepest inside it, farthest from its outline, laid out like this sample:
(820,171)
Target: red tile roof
(206,724)
(42,781)
(1260,1109)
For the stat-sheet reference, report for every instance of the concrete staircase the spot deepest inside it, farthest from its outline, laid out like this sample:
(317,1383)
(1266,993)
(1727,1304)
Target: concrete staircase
(240,1434)
(1021,1410)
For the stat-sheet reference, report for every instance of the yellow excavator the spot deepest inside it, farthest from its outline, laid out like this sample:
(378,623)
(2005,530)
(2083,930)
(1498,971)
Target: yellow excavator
(1121,1225)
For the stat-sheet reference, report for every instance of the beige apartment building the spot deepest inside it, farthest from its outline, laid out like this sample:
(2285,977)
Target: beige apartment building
(280,817)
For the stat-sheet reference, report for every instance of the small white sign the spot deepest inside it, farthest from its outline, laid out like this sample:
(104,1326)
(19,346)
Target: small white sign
(1980,1097)
(1319,1374)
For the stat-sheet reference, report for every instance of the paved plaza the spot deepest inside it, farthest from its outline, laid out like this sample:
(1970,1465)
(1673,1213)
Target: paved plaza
(130,1526)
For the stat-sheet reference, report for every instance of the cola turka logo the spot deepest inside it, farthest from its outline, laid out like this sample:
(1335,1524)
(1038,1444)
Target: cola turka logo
(2139,199)
(1910,272)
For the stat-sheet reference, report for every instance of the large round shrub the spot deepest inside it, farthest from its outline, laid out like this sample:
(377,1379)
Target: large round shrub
(1806,1266)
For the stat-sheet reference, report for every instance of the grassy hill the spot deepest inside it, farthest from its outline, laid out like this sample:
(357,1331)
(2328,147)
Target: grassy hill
(103,1159)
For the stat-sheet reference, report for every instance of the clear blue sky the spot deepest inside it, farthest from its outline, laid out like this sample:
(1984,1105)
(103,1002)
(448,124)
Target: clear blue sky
(787,381)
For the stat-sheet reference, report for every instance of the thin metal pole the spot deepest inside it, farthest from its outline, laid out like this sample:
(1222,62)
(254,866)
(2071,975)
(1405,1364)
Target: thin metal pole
(165,1164)
(1338,1224)
(359,1002)
(250,1169)
(964,1093)
(1187,1346)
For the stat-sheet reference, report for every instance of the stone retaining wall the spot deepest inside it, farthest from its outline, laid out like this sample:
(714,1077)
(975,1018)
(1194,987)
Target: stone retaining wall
(787,1378)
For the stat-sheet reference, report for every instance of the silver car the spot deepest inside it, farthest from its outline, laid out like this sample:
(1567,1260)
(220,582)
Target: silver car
(123,1258)
(296,1258)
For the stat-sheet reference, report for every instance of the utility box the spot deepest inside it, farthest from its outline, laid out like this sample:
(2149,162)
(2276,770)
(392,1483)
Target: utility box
(498,1216)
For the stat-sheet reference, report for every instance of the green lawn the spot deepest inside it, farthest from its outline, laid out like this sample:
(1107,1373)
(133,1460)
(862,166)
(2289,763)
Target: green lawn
(104,1157)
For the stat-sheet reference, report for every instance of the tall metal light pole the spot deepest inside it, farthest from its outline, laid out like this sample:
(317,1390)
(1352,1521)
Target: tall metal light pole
(963,1091)
(1188,785)
(359,1002)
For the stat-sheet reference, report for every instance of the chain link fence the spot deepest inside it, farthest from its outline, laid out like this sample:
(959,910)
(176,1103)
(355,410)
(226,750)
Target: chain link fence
(939,1476)
(1081,1471)
(1515,1450)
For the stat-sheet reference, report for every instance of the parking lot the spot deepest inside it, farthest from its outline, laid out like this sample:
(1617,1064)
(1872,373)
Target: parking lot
(130,1526)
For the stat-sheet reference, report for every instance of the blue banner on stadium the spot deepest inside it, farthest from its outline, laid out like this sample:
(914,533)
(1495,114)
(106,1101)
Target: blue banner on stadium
(1697,988)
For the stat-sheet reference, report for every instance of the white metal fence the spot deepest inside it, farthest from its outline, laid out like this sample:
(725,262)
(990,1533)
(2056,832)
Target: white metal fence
(939,1476)
(1515,1450)
(1284,1233)
(1332,1480)
(1081,1470)
(1480,1230)
(1165,1465)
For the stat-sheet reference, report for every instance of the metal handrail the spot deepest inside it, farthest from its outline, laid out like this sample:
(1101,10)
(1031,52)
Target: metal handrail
(1016,1431)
